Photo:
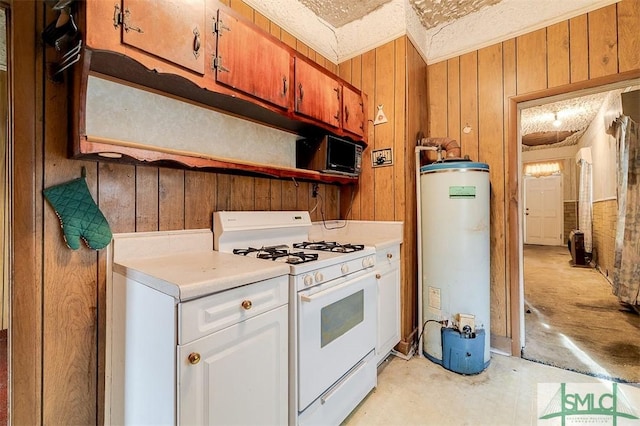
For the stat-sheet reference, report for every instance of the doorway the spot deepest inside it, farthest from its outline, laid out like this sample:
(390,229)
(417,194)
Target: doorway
(569,315)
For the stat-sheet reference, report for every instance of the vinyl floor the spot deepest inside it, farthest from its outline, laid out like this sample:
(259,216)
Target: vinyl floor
(511,391)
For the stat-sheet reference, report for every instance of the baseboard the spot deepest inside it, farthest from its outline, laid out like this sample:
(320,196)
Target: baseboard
(405,345)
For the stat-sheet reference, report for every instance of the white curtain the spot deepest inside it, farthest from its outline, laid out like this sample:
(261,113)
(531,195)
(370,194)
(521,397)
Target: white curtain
(585,204)
(626,275)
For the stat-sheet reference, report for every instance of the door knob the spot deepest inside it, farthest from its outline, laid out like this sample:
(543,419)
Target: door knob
(194,358)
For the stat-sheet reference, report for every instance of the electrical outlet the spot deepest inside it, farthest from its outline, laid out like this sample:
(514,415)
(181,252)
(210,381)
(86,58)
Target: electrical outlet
(381,157)
(314,191)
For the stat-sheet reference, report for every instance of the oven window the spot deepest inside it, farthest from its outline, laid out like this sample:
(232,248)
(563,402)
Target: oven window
(341,316)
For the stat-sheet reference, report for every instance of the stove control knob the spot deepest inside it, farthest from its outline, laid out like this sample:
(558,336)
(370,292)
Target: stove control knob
(345,269)
(367,262)
(308,280)
(319,277)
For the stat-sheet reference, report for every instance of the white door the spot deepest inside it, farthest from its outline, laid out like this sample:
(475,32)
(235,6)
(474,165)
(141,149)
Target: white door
(544,212)
(239,376)
(388,277)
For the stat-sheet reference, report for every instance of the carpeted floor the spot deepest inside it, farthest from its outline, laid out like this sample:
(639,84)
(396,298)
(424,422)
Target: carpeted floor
(573,321)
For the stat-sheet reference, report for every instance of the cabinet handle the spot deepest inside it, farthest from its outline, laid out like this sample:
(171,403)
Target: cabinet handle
(246,304)
(378,276)
(284,86)
(194,358)
(301,91)
(346,114)
(389,255)
(196,42)
(337,90)
(337,116)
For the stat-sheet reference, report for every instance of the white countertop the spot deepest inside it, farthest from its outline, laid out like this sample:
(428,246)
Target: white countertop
(378,234)
(184,277)
(172,261)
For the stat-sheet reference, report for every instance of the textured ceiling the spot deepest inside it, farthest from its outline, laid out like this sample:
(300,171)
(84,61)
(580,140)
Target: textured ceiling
(435,12)
(341,12)
(575,116)
(430,12)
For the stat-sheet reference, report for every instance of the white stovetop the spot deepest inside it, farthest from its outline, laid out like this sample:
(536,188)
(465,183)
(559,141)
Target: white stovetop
(184,265)
(378,234)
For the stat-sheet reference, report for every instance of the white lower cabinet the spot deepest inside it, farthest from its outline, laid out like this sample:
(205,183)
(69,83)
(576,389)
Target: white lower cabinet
(221,359)
(388,277)
(237,375)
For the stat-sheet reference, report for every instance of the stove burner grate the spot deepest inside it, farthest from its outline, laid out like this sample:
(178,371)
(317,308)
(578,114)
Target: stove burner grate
(329,246)
(280,253)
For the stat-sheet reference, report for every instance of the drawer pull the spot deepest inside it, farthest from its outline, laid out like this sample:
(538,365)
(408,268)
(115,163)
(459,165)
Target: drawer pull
(378,276)
(194,358)
(196,42)
(246,304)
(389,255)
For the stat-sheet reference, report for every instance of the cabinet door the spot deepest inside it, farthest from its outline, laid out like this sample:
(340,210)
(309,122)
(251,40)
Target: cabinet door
(239,375)
(388,309)
(352,111)
(317,94)
(252,61)
(170,29)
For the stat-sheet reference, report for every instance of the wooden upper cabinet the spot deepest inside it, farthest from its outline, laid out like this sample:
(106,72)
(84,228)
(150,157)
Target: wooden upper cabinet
(170,29)
(317,93)
(252,61)
(353,117)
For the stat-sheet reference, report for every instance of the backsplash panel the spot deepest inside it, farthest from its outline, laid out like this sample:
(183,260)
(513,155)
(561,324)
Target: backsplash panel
(124,113)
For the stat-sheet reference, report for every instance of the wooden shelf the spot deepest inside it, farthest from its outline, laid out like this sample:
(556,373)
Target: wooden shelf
(104,149)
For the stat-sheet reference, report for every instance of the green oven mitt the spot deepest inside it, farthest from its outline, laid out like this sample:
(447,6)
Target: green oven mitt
(79,215)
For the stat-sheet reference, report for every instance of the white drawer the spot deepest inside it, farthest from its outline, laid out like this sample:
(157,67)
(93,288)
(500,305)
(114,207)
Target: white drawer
(201,317)
(388,255)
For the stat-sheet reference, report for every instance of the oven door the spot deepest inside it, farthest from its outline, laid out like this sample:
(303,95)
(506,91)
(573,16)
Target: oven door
(336,329)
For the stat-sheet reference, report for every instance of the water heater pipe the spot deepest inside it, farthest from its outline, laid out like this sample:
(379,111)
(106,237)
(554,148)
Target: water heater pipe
(418,150)
(451,146)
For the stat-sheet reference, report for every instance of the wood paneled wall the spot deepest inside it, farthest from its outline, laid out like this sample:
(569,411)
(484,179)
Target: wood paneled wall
(481,88)
(4,202)
(394,77)
(58,317)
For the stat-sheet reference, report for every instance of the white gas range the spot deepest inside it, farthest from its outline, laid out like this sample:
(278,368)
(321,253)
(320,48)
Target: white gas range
(332,309)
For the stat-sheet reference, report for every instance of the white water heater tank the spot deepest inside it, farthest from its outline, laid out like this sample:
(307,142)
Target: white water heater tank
(454,202)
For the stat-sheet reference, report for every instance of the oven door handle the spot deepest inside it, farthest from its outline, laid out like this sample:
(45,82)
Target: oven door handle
(323,293)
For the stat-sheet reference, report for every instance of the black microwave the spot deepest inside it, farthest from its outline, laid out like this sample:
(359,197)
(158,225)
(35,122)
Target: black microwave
(329,154)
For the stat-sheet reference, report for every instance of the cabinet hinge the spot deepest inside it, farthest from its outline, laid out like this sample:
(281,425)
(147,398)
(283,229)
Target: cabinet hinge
(219,26)
(122,18)
(217,64)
